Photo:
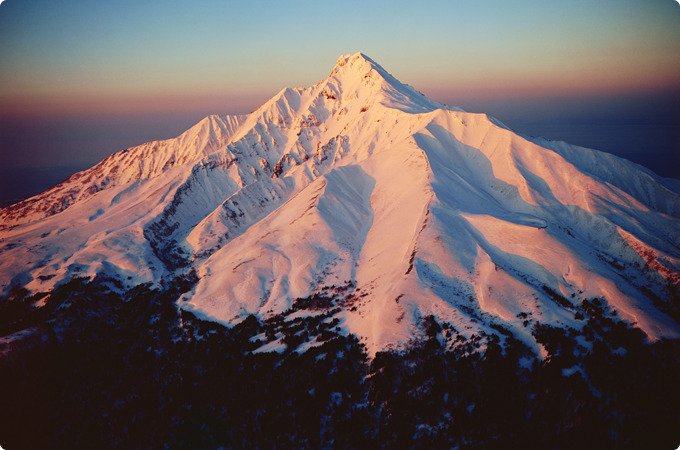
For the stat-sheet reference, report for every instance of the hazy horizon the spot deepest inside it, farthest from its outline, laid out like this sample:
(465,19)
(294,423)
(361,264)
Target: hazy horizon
(648,135)
(82,80)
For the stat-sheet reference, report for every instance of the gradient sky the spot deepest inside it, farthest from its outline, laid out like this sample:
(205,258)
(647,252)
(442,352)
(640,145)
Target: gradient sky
(159,65)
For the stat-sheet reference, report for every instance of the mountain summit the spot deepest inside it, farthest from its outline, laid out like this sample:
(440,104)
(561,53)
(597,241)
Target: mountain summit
(361,77)
(361,195)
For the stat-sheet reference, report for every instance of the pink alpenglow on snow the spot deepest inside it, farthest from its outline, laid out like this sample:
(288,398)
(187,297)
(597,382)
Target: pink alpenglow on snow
(403,206)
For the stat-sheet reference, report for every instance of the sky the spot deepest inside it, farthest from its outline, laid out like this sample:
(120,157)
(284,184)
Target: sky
(80,79)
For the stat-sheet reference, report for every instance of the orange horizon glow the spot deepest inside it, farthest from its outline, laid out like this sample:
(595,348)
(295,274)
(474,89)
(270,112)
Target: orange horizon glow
(229,101)
(134,58)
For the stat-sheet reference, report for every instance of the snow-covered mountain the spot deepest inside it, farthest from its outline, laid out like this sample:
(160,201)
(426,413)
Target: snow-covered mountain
(361,189)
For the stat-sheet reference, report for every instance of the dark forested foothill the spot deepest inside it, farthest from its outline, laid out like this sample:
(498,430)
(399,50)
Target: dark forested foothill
(93,369)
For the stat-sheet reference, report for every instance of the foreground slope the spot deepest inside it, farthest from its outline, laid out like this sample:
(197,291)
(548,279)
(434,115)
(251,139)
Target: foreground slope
(363,190)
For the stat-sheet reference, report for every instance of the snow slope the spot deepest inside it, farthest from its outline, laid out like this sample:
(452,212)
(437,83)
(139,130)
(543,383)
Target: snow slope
(362,186)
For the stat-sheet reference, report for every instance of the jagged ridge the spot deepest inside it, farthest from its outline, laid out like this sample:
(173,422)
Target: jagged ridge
(360,182)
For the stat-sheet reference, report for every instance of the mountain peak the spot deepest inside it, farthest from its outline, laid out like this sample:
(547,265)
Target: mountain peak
(351,57)
(357,63)
(361,190)
(359,73)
